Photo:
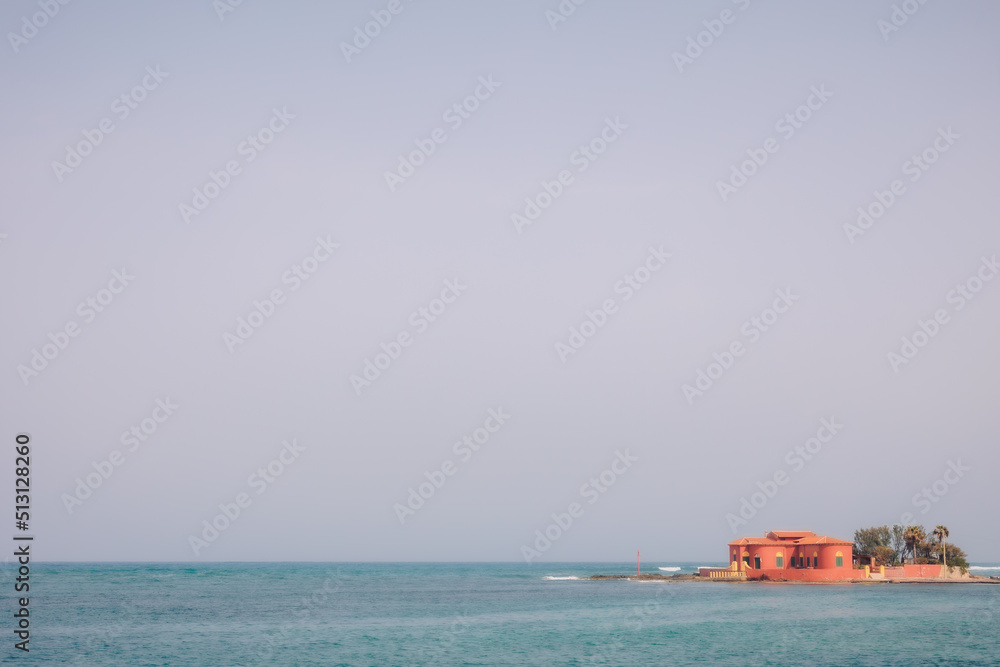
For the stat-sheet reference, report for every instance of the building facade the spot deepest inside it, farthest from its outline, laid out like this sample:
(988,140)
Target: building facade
(794,555)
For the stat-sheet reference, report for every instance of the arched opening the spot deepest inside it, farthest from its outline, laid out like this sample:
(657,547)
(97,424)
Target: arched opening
(756,561)
(746,558)
(840,559)
(779,559)
(815,559)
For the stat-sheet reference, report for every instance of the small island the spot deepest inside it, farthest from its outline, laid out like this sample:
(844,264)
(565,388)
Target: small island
(877,555)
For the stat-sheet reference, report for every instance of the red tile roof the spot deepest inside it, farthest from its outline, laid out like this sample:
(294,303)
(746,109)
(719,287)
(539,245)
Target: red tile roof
(789,538)
(818,539)
(757,540)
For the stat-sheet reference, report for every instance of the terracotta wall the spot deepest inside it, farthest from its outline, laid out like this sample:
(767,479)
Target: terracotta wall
(828,555)
(908,570)
(837,573)
(834,574)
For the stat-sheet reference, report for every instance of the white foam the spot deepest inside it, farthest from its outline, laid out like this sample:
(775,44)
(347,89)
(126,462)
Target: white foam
(669,569)
(559,578)
(983,567)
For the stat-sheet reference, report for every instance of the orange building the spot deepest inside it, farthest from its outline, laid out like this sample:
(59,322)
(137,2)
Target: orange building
(793,555)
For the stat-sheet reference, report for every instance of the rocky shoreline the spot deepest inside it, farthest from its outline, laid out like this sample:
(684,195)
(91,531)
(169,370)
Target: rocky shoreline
(968,579)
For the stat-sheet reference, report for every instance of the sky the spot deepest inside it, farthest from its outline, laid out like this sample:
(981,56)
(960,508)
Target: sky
(520,281)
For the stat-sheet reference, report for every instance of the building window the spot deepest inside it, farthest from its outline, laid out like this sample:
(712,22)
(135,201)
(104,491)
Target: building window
(800,562)
(734,557)
(779,561)
(815,560)
(756,561)
(746,558)
(840,559)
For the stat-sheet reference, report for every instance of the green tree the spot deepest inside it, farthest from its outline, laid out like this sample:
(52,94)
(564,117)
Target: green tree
(941,532)
(914,537)
(867,539)
(883,555)
(944,552)
(897,542)
(957,558)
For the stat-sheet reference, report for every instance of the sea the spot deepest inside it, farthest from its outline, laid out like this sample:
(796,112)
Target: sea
(486,614)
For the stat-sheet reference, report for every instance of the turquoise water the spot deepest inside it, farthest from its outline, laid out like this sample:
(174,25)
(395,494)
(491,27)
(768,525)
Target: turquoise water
(486,614)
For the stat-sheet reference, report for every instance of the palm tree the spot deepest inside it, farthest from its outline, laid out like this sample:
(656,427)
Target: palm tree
(914,536)
(921,541)
(942,532)
(910,536)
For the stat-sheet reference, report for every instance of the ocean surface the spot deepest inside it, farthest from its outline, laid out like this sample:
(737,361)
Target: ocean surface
(486,614)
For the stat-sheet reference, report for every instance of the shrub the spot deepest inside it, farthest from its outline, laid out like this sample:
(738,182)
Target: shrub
(960,563)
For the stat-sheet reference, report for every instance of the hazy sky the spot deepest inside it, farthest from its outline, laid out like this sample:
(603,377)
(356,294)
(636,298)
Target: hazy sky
(248,152)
